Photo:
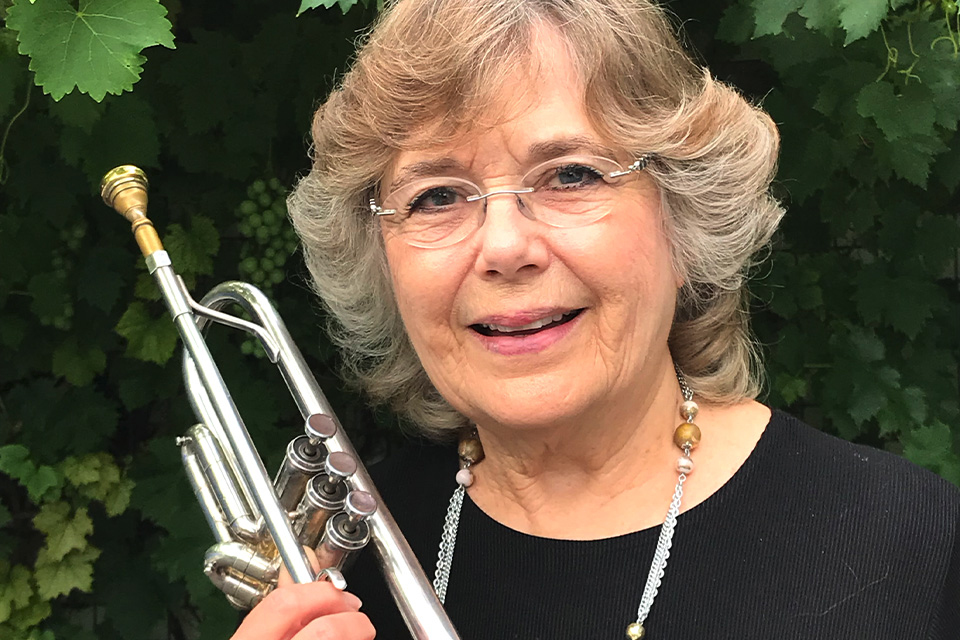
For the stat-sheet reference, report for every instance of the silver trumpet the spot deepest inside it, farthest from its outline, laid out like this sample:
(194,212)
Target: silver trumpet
(322,496)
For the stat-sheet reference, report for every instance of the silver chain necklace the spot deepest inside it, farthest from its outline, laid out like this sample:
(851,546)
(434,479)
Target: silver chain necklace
(686,437)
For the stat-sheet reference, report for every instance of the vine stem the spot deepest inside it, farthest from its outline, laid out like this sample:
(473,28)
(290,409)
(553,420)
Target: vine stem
(6,132)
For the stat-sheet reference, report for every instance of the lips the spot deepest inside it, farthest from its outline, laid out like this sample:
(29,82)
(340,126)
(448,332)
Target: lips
(512,328)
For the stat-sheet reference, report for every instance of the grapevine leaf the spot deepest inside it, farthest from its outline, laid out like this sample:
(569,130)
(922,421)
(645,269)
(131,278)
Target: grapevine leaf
(821,15)
(913,305)
(78,364)
(12,331)
(148,339)
(95,49)
(345,5)
(947,169)
(769,15)
(878,101)
(192,252)
(100,281)
(97,477)
(867,403)
(74,110)
(40,481)
(49,295)
(860,18)
(56,577)
(932,447)
(15,589)
(64,533)
(11,81)
(736,24)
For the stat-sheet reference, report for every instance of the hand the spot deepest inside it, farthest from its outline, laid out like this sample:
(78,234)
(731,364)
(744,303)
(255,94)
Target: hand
(315,611)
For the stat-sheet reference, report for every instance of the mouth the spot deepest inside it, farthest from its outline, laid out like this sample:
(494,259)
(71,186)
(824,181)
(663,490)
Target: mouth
(542,324)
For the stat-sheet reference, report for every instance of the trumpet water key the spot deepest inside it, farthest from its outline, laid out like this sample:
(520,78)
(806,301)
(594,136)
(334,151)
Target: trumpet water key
(321,497)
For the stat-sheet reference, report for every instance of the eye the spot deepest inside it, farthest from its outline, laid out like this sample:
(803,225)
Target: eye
(436,200)
(569,176)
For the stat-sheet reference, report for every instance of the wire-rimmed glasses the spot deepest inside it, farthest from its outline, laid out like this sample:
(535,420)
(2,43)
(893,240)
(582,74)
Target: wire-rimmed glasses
(566,192)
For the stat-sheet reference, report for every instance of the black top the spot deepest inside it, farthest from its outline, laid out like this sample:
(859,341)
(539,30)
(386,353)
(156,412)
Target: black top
(813,538)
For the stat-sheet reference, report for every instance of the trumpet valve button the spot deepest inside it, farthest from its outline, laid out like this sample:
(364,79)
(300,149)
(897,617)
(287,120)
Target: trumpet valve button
(359,506)
(319,427)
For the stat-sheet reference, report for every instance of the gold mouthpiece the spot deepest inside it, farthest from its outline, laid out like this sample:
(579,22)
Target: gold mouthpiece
(125,189)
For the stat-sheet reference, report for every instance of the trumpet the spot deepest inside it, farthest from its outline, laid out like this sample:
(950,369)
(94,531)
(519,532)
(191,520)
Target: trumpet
(321,497)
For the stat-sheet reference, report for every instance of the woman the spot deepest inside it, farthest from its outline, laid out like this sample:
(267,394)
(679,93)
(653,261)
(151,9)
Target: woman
(531,223)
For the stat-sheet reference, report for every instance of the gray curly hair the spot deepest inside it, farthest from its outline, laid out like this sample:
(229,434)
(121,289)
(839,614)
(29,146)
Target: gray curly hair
(441,63)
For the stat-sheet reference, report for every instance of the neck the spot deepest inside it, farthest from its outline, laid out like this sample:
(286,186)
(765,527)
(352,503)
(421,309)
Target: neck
(544,481)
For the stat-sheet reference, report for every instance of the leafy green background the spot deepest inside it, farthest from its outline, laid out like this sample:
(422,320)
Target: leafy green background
(857,308)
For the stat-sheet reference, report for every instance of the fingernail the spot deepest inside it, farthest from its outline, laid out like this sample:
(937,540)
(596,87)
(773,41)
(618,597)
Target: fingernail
(352,601)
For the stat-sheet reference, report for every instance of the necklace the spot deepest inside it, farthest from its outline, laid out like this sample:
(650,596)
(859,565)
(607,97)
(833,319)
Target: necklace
(686,437)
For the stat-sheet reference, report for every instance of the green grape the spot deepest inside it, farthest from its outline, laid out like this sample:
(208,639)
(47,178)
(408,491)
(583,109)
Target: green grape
(276,277)
(255,220)
(265,199)
(248,207)
(68,310)
(263,235)
(79,231)
(61,323)
(258,186)
(269,218)
(258,276)
(291,247)
(245,229)
(61,273)
(267,265)
(270,252)
(275,184)
(289,233)
(249,264)
(246,347)
(280,206)
(57,261)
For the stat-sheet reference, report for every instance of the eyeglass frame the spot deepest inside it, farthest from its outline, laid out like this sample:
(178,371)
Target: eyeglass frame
(637,165)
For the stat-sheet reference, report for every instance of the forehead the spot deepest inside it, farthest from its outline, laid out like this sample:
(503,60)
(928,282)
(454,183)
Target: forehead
(536,113)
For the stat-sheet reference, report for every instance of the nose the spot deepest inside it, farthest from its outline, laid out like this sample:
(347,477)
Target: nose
(511,241)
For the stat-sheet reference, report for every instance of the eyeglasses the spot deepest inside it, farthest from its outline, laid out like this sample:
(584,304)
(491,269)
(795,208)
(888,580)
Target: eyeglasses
(567,192)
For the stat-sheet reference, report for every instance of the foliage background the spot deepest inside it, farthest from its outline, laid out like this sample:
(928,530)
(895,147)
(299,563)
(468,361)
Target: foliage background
(99,538)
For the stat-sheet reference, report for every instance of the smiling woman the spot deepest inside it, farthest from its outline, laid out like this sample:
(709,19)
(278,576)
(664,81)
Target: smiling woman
(531,222)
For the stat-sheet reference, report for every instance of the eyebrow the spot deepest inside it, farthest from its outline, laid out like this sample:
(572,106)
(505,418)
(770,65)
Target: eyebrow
(536,153)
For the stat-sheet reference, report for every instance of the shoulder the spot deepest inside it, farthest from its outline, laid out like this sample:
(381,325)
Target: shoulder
(869,476)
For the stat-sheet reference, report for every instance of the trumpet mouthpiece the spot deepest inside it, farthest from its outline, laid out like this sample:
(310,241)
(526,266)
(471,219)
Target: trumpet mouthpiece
(125,189)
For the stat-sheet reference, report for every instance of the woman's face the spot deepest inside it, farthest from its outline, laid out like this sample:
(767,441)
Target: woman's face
(611,283)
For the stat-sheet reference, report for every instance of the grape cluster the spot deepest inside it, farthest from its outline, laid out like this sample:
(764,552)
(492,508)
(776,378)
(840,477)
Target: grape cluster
(63,264)
(269,240)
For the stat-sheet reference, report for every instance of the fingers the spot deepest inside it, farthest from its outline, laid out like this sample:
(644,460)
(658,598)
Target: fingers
(285,612)
(284,579)
(339,626)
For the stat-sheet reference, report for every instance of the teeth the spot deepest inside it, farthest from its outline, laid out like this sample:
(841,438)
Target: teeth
(536,324)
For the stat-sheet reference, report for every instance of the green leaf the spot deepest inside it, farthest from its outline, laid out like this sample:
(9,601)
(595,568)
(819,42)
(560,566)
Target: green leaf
(345,5)
(860,18)
(78,364)
(769,15)
(100,280)
(40,481)
(97,477)
(821,15)
(148,339)
(64,532)
(192,252)
(911,112)
(59,577)
(15,589)
(932,447)
(95,48)
(49,295)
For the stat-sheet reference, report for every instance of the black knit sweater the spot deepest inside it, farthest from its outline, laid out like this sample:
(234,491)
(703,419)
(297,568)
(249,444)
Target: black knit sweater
(813,538)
